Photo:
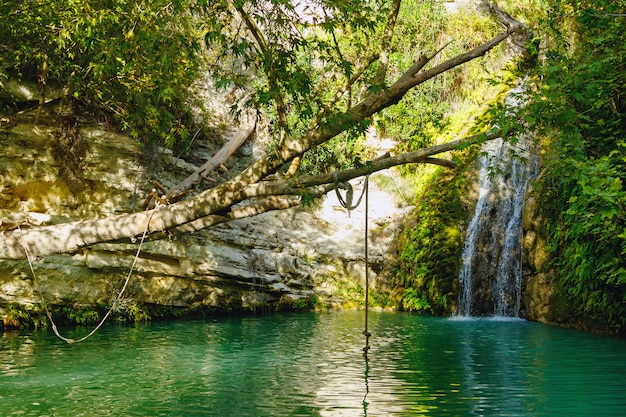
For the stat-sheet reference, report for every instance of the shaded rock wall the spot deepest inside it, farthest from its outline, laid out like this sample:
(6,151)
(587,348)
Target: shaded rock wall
(281,259)
(537,288)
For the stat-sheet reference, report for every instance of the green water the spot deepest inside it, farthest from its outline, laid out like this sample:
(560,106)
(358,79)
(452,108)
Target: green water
(312,365)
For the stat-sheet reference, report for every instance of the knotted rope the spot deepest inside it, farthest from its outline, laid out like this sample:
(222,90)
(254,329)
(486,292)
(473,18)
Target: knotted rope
(347,202)
(30,259)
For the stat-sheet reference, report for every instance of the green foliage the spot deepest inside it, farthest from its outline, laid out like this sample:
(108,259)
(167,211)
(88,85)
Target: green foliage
(430,246)
(289,304)
(530,12)
(422,116)
(379,299)
(303,304)
(298,63)
(16,317)
(417,117)
(307,199)
(72,315)
(351,292)
(580,108)
(137,313)
(134,60)
(338,153)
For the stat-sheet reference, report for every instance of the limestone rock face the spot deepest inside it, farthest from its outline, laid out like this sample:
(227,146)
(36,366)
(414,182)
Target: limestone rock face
(537,286)
(272,260)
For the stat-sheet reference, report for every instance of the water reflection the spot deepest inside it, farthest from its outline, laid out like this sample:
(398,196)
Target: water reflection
(312,365)
(491,387)
(351,385)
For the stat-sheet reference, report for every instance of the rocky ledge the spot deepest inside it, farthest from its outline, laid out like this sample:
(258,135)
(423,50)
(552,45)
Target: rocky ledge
(297,258)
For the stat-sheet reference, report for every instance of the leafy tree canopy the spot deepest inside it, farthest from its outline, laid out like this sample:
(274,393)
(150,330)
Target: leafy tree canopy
(137,60)
(132,59)
(317,72)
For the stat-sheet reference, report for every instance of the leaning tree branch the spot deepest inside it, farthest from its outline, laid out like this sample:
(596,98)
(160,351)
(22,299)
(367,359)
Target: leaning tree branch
(415,76)
(326,127)
(300,184)
(282,194)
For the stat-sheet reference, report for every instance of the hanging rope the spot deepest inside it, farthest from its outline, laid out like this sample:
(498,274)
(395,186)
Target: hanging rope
(367,268)
(367,386)
(347,203)
(30,259)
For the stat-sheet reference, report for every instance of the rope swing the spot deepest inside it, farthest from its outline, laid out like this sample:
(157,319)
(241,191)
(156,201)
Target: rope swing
(30,259)
(347,204)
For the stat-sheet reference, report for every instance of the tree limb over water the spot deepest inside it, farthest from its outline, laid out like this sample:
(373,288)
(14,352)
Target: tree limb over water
(214,206)
(250,193)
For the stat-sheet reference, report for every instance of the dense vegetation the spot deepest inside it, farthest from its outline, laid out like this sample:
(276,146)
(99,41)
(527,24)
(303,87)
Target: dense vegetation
(429,247)
(130,62)
(134,62)
(580,111)
(576,107)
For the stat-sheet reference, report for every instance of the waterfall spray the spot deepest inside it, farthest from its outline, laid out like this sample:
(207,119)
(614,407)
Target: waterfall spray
(490,276)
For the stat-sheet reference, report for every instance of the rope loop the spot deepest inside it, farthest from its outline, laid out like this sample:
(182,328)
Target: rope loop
(347,202)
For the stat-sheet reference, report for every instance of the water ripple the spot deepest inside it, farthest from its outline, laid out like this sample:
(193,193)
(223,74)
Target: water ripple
(312,365)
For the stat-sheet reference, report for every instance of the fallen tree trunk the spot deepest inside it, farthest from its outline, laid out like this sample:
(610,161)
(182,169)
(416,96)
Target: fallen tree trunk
(207,209)
(220,157)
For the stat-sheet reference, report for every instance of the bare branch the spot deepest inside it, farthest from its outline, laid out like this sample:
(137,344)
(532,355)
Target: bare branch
(222,155)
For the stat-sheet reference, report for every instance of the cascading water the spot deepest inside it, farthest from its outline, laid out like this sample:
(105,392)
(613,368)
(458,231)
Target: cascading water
(490,274)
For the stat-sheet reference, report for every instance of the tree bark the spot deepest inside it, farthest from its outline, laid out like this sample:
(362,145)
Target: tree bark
(220,157)
(202,211)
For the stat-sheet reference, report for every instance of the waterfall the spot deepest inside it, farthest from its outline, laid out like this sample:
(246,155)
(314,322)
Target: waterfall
(490,277)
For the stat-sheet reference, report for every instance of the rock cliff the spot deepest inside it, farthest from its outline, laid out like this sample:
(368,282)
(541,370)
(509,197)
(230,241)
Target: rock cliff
(537,287)
(297,258)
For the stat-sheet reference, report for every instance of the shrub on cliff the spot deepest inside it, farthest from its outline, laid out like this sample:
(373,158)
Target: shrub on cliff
(134,61)
(580,110)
